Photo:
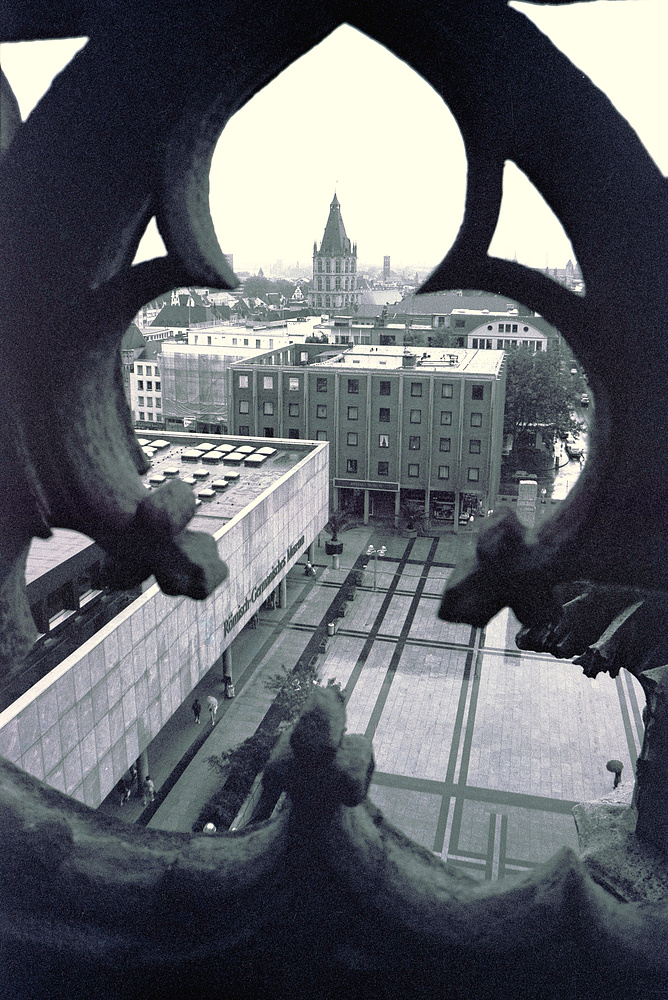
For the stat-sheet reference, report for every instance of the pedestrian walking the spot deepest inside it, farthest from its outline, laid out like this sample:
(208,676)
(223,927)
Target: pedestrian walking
(616,767)
(197,709)
(125,790)
(149,790)
(213,707)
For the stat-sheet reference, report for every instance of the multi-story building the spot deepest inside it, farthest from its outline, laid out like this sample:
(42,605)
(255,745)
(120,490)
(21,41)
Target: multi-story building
(424,428)
(503,331)
(108,670)
(145,382)
(335,280)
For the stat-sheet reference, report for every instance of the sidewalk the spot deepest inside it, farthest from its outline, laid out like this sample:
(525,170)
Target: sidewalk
(178,755)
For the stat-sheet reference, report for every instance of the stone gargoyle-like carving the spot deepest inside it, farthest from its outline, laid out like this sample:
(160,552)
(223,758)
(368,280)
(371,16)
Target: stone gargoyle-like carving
(606,629)
(325,900)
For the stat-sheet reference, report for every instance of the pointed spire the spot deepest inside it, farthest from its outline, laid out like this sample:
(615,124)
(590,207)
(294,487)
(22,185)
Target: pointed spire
(334,239)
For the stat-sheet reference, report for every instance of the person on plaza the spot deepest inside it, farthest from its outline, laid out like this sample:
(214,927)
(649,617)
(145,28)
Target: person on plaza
(213,708)
(197,709)
(149,790)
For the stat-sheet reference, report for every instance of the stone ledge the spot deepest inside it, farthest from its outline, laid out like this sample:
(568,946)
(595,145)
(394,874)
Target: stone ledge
(633,870)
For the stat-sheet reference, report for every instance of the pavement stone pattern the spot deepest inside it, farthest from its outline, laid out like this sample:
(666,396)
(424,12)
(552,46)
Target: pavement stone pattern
(481,749)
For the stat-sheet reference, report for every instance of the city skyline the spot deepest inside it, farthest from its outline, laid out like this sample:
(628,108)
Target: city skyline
(270,199)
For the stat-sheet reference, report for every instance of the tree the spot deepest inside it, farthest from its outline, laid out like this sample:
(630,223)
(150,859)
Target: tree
(257,286)
(443,338)
(540,395)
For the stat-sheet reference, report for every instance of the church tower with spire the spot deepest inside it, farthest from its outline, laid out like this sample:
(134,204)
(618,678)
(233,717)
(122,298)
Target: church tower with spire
(334,267)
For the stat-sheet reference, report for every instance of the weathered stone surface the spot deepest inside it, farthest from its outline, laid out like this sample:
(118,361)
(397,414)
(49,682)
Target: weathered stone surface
(347,905)
(633,869)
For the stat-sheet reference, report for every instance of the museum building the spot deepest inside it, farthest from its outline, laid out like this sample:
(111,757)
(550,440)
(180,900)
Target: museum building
(82,725)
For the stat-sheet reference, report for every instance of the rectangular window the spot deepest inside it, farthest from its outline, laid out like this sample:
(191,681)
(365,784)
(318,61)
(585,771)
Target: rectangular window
(416,416)
(384,415)
(293,409)
(244,406)
(514,329)
(352,413)
(149,400)
(383,440)
(141,416)
(444,444)
(140,370)
(243,429)
(444,472)
(321,385)
(446,390)
(414,442)
(474,475)
(158,404)
(258,343)
(474,446)
(208,340)
(269,432)
(140,385)
(413,470)
(321,435)
(294,385)
(235,341)
(268,409)
(268,381)
(353,385)
(385,388)
(351,466)
(383,468)
(477,391)
(293,432)
(446,417)
(149,386)
(416,388)
(476,420)
(352,439)
(140,400)
(149,416)
(157,387)
(243,381)
(321,411)
(245,341)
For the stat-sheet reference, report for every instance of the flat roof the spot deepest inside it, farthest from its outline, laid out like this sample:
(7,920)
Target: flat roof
(444,360)
(211,514)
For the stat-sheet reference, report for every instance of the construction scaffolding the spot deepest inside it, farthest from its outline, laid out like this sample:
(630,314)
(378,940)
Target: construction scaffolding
(196,385)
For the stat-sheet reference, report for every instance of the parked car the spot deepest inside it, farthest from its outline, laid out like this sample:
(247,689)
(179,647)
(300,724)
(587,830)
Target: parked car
(584,399)
(573,449)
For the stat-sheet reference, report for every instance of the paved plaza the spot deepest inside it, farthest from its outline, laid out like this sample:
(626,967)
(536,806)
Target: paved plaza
(481,749)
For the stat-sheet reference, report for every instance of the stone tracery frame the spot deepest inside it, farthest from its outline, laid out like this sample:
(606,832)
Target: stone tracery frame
(126,118)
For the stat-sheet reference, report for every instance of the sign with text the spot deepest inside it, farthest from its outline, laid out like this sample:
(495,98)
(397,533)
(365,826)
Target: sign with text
(259,588)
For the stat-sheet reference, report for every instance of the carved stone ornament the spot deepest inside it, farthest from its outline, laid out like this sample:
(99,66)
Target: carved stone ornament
(328,899)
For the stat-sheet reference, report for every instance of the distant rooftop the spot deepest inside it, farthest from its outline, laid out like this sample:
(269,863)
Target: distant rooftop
(464,361)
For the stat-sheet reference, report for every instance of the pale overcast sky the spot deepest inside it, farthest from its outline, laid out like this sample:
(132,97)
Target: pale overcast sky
(400,171)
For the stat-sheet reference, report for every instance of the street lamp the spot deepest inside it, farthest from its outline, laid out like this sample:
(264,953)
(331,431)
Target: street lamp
(375,553)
